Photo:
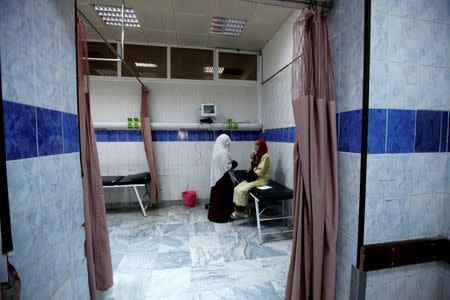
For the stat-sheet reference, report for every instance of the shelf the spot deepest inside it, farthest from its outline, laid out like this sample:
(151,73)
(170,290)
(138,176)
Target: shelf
(179,126)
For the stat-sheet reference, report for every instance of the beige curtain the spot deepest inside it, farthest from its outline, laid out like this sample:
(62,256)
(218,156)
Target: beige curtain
(97,248)
(148,144)
(313,261)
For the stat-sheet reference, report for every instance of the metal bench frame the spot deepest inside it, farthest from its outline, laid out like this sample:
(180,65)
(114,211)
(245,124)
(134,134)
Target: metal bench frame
(259,219)
(134,186)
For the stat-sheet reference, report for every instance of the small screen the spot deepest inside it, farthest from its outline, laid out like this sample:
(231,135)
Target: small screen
(208,109)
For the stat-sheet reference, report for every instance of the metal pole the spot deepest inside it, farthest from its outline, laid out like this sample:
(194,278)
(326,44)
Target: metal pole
(103,59)
(109,45)
(122,52)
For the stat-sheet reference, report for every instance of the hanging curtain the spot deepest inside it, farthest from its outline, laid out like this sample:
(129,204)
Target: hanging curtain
(313,261)
(148,144)
(97,248)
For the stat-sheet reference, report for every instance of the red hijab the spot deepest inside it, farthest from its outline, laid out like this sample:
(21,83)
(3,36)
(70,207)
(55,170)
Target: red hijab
(262,150)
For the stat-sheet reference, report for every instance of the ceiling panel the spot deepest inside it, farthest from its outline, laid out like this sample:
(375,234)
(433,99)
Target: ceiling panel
(104,2)
(270,14)
(90,13)
(189,39)
(133,35)
(234,8)
(187,22)
(151,5)
(156,20)
(218,41)
(200,7)
(192,23)
(259,31)
(160,37)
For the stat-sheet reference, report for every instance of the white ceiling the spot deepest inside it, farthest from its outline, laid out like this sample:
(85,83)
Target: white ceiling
(187,22)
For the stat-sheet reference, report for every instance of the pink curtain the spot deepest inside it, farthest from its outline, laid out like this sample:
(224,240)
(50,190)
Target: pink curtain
(313,260)
(97,240)
(148,144)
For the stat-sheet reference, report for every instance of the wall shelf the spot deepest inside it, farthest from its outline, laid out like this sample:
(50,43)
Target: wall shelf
(180,126)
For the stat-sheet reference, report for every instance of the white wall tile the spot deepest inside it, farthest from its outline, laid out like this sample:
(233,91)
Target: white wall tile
(178,163)
(277,101)
(114,101)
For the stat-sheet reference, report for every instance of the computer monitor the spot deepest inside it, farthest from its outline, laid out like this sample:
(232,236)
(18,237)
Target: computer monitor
(209,110)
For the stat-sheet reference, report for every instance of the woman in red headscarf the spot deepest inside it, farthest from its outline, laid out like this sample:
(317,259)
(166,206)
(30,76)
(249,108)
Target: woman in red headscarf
(258,175)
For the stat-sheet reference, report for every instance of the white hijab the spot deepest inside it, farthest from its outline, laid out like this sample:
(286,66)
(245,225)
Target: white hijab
(221,158)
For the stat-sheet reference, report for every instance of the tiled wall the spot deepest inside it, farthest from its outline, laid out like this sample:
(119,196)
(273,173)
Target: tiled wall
(174,135)
(395,131)
(278,121)
(408,166)
(122,152)
(185,163)
(347,39)
(41,136)
(171,101)
(421,282)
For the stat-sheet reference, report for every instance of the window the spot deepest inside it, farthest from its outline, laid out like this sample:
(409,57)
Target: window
(101,68)
(237,66)
(145,61)
(191,63)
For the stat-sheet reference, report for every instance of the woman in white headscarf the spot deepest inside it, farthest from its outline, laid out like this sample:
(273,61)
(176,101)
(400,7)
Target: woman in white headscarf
(221,199)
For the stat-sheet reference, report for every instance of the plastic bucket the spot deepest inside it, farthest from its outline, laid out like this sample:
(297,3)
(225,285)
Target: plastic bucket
(189,198)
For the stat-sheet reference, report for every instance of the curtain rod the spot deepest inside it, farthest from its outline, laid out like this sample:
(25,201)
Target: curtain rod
(293,3)
(326,4)
(110,47)
(282,69)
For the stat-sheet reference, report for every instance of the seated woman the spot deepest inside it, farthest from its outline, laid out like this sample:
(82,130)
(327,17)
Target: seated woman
(258,175)
(221,199)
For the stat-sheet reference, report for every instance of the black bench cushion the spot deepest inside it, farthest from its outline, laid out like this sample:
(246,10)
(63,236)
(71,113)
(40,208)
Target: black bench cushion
(110,180)
(277,192)
(140,178)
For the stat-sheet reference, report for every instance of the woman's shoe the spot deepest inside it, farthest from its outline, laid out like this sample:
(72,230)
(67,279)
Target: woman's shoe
(238,215)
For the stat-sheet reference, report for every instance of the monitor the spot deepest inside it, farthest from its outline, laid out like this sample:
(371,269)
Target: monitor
(209,110)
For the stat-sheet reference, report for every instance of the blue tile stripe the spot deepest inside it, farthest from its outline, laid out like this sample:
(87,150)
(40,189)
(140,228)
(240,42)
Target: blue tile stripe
(350,131)
(280,135)
(173,135)
(33,131)
(395,131)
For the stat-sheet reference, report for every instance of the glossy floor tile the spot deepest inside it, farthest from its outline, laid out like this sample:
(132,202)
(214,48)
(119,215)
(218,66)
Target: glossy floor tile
(176,253)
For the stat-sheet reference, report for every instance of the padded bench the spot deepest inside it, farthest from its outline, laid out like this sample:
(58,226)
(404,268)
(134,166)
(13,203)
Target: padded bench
(134,181)
(277,192)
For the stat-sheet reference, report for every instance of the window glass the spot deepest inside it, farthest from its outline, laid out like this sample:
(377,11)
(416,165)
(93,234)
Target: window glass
(101,68)
(191,63)
(145,61)
(237,66)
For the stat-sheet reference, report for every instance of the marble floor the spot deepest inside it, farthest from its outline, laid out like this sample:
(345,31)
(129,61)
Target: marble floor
(176,253)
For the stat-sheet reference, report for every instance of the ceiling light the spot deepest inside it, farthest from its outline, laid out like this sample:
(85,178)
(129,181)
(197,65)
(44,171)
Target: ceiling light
(227,26)
(145,65)
(211,70)
(112,15)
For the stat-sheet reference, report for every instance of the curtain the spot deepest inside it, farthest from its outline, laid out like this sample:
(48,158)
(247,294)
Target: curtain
(97,248)
(148,144)
(313,261)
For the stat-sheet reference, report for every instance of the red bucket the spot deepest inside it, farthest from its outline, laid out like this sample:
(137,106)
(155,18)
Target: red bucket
(189,198)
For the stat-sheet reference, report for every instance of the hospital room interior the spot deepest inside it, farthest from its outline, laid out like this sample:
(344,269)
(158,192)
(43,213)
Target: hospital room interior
(225,149)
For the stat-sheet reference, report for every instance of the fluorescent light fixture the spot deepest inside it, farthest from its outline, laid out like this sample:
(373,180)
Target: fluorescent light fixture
(227,26)
(145,65)
(211,70)
(112,15)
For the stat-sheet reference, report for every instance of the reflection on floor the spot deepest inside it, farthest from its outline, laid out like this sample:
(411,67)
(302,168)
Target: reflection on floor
(176,253)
